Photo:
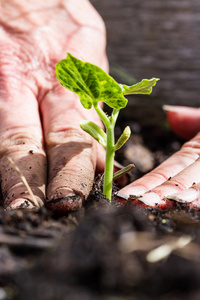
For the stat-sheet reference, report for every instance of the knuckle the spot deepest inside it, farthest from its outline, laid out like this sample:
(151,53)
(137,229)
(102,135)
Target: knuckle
(192,147)
(67,136)
(21,142)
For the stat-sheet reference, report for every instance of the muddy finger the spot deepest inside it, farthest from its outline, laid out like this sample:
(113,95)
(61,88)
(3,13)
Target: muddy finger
(21,140)
(71,152)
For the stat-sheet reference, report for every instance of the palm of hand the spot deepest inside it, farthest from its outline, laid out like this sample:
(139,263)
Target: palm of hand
(36,112)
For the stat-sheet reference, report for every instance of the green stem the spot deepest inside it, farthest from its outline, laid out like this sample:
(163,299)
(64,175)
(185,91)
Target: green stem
(102,114)
(109,123)
(114,116)
(110,154)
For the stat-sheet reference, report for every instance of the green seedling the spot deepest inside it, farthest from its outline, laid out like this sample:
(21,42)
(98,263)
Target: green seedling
(93,85)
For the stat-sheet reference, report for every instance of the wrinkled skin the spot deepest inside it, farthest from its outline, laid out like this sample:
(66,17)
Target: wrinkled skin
(39,119)
(178,178)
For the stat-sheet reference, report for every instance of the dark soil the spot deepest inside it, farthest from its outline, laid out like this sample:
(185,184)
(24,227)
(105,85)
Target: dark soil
(100,251)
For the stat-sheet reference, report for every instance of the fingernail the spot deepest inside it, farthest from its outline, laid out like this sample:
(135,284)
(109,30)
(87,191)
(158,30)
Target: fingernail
(20,203)
(64,192)
(185,196)
(122,196)
(65,200)
(133,191)
(169,108)
(150,199)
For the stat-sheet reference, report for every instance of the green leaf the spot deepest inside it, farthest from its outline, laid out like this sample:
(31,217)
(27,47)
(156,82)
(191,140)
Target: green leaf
(123,138)
(142,87)
(95,131)
(90,83)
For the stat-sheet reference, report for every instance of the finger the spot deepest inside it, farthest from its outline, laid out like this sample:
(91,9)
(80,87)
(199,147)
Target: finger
(20,139)
(184,121)
(71,152)
(101,158)
(189,152)
(191,196)
(177,184)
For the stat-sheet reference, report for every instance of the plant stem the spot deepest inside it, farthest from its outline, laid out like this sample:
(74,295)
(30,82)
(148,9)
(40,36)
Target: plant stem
(110,154)
(102,115)
(109,123)
(114,116)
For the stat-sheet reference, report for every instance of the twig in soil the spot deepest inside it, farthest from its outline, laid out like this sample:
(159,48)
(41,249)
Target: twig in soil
(33,199)
(36,243)
(165,250)
(123,171)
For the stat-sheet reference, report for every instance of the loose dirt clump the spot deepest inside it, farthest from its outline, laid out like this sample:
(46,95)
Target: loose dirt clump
(99,252)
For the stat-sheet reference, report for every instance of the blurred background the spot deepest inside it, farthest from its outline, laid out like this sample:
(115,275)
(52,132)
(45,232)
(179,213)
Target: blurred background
(155,39)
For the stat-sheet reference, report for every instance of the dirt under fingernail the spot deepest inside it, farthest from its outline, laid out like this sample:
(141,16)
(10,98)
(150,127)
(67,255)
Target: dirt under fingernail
(65,200)
(20,203)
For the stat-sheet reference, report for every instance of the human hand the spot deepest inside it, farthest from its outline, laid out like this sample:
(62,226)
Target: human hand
(39,119)
(178,178)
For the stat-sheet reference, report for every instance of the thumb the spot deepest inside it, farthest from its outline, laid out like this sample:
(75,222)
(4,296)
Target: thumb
(184,121)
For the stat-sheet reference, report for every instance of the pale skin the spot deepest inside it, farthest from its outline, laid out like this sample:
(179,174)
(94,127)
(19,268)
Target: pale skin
(39,119)
(178,177)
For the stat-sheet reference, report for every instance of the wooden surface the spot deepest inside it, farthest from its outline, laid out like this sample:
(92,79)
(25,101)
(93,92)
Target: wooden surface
(156,39)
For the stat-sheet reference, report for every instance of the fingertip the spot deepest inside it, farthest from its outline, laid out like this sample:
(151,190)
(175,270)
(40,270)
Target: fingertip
(64,200)
(21,203)
(133,190)
(184,121)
